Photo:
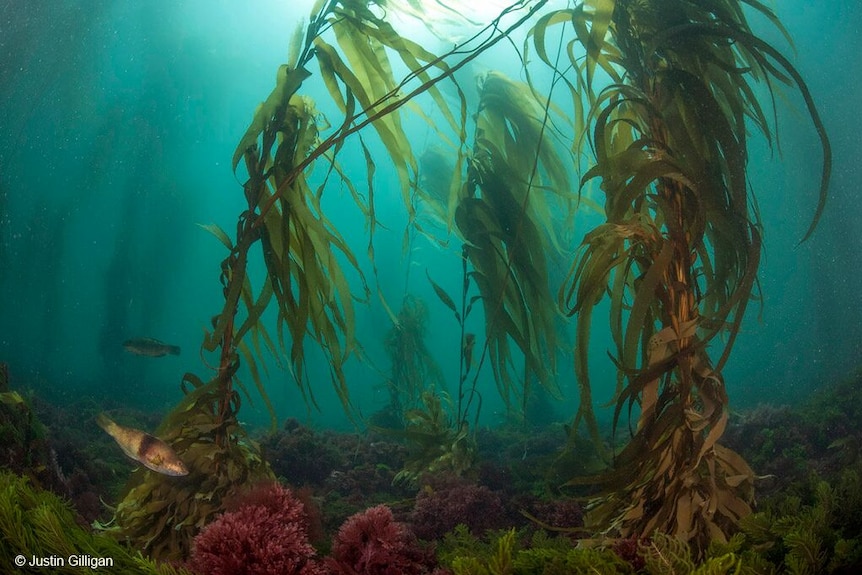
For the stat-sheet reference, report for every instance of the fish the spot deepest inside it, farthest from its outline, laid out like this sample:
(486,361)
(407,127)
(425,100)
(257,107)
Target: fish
(144,448)
(150,347)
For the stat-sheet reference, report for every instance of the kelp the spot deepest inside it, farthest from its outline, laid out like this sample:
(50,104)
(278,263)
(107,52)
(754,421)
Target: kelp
(160,515)
(515,175)
(436,428)
(413,368)
(515,178)
(678,254)
(282,145)
(437,443)
(785,536)
(303,254)
(304,277)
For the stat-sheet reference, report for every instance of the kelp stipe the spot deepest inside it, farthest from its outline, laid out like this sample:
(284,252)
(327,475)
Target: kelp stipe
(680,248)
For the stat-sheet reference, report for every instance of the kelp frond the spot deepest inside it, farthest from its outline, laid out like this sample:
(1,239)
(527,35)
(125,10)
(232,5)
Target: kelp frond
(679,252)
(305,278)
(281,147)
(160,515)
(515,175)
(300,249)
(437,442)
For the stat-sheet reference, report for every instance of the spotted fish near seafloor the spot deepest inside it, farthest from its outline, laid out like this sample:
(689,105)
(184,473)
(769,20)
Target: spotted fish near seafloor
(150,347)
(151,451)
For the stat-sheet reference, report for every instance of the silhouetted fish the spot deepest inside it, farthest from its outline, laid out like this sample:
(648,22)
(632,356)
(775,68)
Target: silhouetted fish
(154,453)
(150,347)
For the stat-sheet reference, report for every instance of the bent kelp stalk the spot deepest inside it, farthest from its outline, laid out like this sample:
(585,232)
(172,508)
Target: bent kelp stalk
(299,245)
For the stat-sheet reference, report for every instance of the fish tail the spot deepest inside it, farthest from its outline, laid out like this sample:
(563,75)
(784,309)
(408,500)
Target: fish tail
(105,423)
(173,349)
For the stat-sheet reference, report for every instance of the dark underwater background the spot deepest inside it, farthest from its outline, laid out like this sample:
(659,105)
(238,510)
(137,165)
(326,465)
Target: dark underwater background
(118,122)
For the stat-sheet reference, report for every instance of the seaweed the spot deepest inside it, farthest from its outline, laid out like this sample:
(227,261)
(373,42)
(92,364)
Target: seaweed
(303,256)
(302,250)
(436,442)
(24,445)
(37,523)
(422,415)
(678,253)
(497,562)
(506,553)
(544,561)
(823,535)
(504,215)
(413,368)
(161,515)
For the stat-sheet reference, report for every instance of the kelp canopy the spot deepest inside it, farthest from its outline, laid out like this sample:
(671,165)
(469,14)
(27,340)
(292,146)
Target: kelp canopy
(677,255)
(282,147)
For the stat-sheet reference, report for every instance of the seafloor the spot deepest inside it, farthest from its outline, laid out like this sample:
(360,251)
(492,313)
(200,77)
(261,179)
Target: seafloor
(338,508)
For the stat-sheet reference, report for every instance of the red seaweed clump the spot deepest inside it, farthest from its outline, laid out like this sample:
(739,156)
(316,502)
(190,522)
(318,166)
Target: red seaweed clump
(266,535)
(373,543)
(301,455)
(449,501)
(563,513)
(629,551)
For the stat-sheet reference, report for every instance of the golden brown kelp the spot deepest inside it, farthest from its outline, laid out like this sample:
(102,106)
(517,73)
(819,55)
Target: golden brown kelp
(504,217)
(304,256)
(160,515)
(282,145)
(678,254)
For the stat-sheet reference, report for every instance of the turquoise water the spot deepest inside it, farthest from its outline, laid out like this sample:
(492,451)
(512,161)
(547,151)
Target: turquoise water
(118,125)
